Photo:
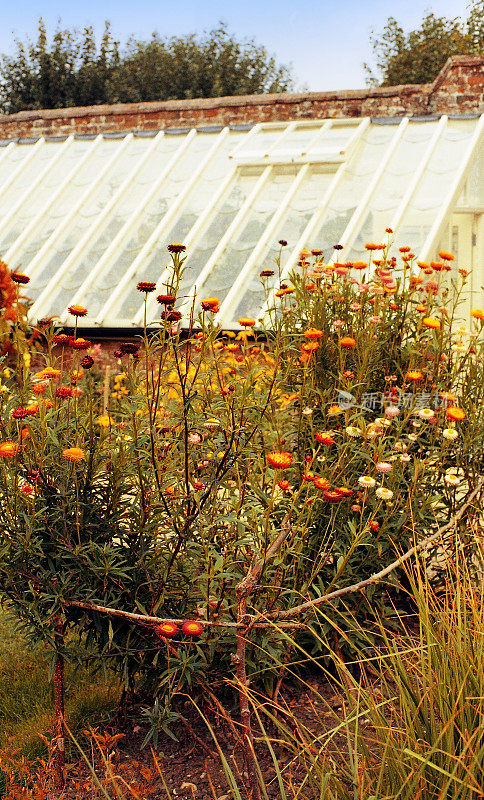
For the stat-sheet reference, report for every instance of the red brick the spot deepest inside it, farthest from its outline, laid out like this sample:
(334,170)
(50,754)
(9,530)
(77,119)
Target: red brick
(458,87)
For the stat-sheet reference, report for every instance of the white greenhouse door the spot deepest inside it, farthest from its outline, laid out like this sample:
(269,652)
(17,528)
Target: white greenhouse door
(466,242)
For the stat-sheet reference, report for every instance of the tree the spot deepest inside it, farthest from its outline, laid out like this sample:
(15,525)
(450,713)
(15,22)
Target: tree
(72,70)
(418,56)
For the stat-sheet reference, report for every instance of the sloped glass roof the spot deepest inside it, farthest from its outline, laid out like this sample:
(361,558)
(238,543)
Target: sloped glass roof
(88,217)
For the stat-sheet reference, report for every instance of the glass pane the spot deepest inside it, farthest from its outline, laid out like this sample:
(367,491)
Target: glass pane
(291,226)
(42,193)
(358,174)
(203,247)
(392,186)
(238,250)
(156,259)
(443,167)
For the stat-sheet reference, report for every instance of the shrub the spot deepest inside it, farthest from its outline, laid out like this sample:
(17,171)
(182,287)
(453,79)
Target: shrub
(230,475)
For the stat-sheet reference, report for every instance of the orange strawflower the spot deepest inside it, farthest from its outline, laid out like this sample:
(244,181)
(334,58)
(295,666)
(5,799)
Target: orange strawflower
(280,460)
(8,449)
(477,313)
(455,413)
(246,322)
(74,454)
(321,483)
(372,246)
(309,347)
(334,410)
(347,341)
(77,311)
(210,304)
(414,375)
(313,333)
(324,438)
(445,255)
(431,322)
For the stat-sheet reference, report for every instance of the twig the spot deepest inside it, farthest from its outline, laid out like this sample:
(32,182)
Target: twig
(148,620)
(278,616)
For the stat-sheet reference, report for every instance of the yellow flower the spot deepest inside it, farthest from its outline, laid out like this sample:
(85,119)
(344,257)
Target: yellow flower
(47,372)
(334,410)
(105,421)
(477,313)
(431,322)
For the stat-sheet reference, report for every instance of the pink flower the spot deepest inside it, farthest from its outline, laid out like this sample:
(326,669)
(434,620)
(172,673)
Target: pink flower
(355,306)
(383,466)
(374,320)
(194,438)
(338,323)
(364,287)
(392,411)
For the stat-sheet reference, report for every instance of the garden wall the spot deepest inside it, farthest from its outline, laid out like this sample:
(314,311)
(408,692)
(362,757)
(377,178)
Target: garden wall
(458,89)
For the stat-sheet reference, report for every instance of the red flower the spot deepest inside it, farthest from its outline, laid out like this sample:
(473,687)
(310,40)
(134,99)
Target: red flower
(166,299)
(146,286)
(192,628)
(61,338)
(167,630)
(176,248)
(333,496)
(22,412)
(19,277)
(171,316)
(284,485)
(63,391)
(129,348)
(80,344)
(77,311)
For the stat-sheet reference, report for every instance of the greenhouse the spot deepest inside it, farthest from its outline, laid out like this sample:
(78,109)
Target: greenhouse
(88,215)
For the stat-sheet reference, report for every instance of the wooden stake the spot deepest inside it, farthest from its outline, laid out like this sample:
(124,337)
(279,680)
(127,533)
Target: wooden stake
(59,708)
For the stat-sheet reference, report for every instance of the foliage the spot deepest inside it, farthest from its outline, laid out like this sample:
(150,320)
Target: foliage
(419,55)
(412,723)
(213,443)
(72,70)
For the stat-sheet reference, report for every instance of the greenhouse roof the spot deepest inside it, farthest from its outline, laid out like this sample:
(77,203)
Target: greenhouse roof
(88,216)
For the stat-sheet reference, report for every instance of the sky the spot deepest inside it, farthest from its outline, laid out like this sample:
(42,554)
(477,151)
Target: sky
(326,42)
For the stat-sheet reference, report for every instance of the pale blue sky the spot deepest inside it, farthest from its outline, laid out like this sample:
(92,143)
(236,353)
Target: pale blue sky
(326,40)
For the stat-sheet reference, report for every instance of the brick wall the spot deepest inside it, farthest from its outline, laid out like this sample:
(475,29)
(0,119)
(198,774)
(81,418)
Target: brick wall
(458,89)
